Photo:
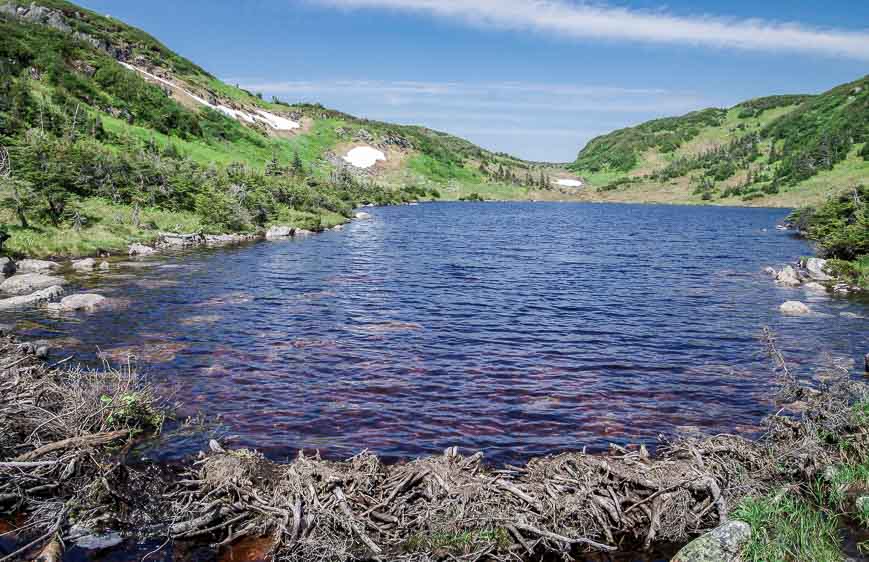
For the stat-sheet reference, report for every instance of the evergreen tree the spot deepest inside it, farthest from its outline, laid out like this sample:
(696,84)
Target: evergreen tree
(298,168)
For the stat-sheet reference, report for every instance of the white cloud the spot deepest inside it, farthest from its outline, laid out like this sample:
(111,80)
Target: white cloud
(600,22)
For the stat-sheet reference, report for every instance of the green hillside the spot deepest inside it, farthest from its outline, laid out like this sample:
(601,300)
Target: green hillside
(772,151)
(112,137)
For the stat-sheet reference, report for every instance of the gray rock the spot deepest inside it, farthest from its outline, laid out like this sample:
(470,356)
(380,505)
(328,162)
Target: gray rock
(301,233)
(88,302)
(815,268)
(84,265)
(851,315)
(173,240)
(7,267)
(276,232)
(43,352)
(104,266)
(720,545)
(815,287)
(770,271)
(141,250)
(36,266)
(28,283)
(788,277)
(794,308)
(33,299)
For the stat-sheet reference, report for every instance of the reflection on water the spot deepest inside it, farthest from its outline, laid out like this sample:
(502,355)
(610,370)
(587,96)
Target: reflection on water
(518,329)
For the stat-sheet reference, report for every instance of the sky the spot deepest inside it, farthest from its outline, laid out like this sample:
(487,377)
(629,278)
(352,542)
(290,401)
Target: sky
(534,78)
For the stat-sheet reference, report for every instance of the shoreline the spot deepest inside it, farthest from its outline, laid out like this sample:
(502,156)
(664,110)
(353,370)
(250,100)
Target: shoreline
(359,502)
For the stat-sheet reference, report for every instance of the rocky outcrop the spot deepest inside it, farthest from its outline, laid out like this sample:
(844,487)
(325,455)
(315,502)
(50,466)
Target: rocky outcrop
(815,268)
(33,299)
(29,283)
(794,308)
(36,266)
(788,277)
(88,302)
(84,265)
(723,544)
(277,232)
(141,250)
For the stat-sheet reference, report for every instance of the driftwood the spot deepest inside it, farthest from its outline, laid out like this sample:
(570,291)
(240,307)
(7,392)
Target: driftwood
(57,428)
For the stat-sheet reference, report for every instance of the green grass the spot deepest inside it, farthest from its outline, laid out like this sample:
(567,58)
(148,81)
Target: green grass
(788,528)
(442,172)
(107,227)
(458,541)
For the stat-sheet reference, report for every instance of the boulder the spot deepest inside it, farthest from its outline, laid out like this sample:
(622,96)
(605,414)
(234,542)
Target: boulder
(815,268)
(104,266)
(788,277)
(88,302)
(301,233)
(36,266)
(279,232)
(28,283)
(39,297)
(84,265)
(794,308)
(815,287)
(362,216)
(7,267)
(723,544)
(141,250)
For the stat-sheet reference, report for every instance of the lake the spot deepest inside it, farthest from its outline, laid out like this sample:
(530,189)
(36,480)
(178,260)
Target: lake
(518,329)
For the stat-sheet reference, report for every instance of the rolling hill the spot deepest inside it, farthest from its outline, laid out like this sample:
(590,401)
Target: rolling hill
(787,151)
(112,136)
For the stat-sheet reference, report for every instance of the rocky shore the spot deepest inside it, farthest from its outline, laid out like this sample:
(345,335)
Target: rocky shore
(811,275)
(30,282)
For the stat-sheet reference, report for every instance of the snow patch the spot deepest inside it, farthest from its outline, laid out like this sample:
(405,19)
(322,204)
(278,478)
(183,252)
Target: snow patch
(364,157)
(569,183)
(274,121)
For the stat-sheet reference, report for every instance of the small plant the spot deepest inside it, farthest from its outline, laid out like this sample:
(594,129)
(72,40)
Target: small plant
(133,410)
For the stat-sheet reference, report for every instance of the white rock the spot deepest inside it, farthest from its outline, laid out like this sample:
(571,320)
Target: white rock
(815,287)
(279,232)
(301,233)
(815,267)
(770,271)
(36,266)
(87,302)
(788,277)
(362,216)
(141,250)
(851,315)
(28,283)
(39,297)
(84,265)
(794,308)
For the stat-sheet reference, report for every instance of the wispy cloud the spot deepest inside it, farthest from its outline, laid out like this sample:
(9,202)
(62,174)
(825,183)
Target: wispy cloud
(601,22)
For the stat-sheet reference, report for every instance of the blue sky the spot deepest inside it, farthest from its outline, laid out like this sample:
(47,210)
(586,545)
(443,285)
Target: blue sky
(534,78)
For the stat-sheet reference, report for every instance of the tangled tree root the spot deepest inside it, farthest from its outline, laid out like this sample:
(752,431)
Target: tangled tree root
(56,455)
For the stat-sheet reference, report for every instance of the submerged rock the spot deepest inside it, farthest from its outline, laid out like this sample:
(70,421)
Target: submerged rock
(815,287)
(90,539)
(104,266)
(36,266)
(141,250)
(720,545)
(794,308)
(770,271)
(84,265)
(788,277)
(279,232)
(71,303)
(39,297)
(29,282)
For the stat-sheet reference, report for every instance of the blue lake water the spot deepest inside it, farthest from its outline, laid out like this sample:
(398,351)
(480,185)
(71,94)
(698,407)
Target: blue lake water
(518,329)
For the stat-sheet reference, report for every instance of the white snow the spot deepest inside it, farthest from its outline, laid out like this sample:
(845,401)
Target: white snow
(364,157)
(274,121)
(569,183)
